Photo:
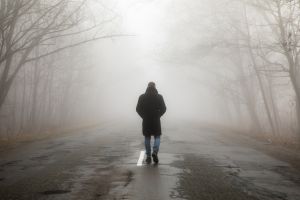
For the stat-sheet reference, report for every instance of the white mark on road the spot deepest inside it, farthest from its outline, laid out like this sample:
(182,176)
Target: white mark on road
(141,158)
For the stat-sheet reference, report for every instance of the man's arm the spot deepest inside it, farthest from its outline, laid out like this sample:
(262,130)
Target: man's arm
(139,108)
(163,107)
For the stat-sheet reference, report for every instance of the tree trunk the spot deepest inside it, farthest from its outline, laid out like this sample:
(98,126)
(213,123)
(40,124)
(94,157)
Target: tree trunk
(297,99)
(260,81)
(35,84)
(292,62)
(248,95)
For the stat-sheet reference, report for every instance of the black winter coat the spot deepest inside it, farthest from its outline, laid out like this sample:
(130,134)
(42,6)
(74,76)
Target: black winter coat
(151,107)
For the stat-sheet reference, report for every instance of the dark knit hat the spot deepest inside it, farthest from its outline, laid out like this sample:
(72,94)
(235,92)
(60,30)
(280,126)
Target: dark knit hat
(151,84)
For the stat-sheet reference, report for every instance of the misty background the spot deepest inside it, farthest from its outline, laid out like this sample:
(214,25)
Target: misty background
(219,62)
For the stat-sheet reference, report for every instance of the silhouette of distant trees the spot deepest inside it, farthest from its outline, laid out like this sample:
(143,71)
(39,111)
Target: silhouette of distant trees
(32,33)
(261,41)
(268,34)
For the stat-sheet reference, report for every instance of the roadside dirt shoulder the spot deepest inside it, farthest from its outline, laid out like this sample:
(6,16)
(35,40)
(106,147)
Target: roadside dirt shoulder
(289,154)
(280,152)
(8,144)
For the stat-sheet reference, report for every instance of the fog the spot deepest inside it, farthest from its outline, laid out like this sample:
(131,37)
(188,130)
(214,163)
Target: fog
(214,62)
(124,66)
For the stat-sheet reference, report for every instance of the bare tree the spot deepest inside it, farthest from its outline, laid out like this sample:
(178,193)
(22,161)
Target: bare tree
(28,25)
(283,20)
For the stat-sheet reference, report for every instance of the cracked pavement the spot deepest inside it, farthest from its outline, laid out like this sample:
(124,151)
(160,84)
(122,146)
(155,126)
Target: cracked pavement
(101,163)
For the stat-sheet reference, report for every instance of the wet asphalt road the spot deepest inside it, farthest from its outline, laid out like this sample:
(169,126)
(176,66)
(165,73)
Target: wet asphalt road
(101,163)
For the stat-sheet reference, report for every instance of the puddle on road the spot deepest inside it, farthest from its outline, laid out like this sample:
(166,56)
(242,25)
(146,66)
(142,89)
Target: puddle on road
(153,181)
(99,176)
(108,182)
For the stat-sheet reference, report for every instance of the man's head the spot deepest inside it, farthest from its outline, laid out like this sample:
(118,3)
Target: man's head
(151,84)
(151,88)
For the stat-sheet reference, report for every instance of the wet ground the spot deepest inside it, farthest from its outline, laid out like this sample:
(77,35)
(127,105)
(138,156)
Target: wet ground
(101,163)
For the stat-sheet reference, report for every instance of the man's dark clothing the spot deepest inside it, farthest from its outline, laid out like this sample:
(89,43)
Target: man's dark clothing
(151,107)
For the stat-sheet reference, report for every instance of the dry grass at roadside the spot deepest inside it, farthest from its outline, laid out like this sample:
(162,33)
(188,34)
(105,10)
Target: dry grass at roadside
(282,147)
(11,142)
(288,141)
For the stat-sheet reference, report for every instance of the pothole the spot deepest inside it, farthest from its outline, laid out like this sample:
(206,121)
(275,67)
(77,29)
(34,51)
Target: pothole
(52,192)
(10,163)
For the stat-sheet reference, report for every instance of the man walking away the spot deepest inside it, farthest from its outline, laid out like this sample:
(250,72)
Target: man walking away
(151,107)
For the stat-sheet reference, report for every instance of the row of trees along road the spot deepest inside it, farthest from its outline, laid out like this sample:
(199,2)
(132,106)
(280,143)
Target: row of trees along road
(36,84)
(262,41)
(251,50)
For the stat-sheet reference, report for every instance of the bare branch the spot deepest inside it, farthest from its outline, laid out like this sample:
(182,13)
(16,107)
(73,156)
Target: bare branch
(76,44)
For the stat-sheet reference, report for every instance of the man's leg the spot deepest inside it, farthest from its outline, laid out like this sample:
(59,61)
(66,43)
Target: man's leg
(156,148)
(156,144)
(148,148)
